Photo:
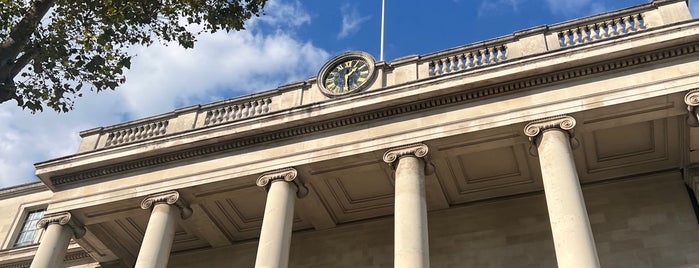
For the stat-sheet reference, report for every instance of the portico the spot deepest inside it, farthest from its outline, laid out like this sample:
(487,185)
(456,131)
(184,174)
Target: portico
(505,137)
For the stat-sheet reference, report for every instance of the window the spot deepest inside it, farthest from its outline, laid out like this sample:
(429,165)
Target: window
(29,230)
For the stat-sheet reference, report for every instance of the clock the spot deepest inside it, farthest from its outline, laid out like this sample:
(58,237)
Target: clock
(347,73)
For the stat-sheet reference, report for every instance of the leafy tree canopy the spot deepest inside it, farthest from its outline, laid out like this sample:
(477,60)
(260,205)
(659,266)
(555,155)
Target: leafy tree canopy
(51,49)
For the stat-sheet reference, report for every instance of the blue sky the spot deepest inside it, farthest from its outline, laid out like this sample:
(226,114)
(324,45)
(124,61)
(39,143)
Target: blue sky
(291,42)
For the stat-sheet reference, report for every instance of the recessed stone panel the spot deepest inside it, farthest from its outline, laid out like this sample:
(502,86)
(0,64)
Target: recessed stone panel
(624,141)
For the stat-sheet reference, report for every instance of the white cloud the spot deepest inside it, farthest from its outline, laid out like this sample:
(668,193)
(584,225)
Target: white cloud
(164,78)
(351,21)
(489,7)
(573,8)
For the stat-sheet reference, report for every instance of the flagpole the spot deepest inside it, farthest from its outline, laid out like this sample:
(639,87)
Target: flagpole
(383,3)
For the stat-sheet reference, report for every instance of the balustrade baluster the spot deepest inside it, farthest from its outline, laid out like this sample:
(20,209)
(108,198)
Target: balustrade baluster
(627,24)
(493,58)
(461,60)
(437,68)
(454,63)
(445,67)
(606,29)
(227,116)
(468,60)
(260,104)
(641,22)
(618,28)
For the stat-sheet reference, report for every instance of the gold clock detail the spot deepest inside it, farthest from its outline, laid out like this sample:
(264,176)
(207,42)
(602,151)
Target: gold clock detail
(346,73)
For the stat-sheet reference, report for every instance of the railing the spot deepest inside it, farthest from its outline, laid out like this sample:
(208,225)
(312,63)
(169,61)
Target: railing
(237,111)
(467,60)
(601,30)
(137,133)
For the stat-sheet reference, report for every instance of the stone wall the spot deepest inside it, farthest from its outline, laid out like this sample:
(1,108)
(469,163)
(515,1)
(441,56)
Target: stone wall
(640,222)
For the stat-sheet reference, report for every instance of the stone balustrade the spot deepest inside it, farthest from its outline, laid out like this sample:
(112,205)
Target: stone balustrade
(603,29)
(137,133)
(468,59)
(237,111)
(463,59)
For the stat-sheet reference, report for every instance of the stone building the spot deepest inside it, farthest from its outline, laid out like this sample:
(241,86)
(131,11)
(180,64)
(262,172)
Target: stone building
(569,145)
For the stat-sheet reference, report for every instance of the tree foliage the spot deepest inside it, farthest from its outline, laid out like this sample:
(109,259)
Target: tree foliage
(53,49)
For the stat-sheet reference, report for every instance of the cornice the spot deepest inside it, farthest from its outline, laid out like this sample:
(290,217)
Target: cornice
(169,198)
(24,189)
(372,115)
(64,219)
(286,174)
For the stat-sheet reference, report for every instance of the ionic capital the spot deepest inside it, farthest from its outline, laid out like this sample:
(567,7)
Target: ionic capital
(564,123)
(285,174)
(692,101)
(170,198)
(418,150)
(64,219)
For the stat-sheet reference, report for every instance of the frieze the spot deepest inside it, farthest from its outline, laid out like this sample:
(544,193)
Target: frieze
(452,99)
(286,174)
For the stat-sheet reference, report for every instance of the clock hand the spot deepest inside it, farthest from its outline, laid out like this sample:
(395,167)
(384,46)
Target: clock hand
(347,75)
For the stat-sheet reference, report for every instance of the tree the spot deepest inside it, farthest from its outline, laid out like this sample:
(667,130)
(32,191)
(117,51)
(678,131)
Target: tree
(52,49)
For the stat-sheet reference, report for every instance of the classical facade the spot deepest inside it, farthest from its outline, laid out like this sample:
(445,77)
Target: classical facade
(569,145)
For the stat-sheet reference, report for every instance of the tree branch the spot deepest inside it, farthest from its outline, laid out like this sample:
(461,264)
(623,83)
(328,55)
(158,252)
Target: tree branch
(23,60)
(13,45)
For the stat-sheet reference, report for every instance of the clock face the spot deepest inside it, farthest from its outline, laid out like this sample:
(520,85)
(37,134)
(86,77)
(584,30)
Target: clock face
(346,76)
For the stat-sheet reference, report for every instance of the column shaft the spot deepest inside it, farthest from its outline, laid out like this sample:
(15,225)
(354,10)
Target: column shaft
(157,242)
(275,236)
(411,241)
(572,235)
(53,247)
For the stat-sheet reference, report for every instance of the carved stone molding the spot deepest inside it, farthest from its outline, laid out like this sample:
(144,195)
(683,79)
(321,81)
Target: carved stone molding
(170,198)
(564,123)
(692,101)
(286,174)
(418,150)
(65,219)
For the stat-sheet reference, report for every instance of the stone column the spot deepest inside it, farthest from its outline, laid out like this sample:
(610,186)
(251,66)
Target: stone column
(692,101)
(60,228)
(275,236)
(411,245)
(572,235)
(157,242)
